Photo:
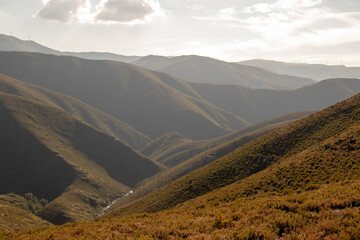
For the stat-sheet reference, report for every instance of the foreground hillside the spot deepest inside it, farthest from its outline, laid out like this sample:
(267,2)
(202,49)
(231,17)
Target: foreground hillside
(132,94)
(252,157)
(56,157)
(98,119)
(311,194)
(207,70)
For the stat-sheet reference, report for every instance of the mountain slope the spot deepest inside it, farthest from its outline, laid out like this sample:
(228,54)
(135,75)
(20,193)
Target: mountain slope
(252,157)
(88,114)
(13,218)
(10,43)
(314,71)
(78,169)
(257,105)
(200,153)
(134,95)
(206,70)
(314,194)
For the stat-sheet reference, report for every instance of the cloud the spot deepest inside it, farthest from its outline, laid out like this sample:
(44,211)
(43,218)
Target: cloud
(125,10)
(64,10)
(107,11)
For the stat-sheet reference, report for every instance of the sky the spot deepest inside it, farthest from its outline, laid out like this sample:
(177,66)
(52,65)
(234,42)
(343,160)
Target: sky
(312,31)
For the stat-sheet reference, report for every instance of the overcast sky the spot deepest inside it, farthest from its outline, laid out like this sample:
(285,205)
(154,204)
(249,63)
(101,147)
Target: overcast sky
(314,31)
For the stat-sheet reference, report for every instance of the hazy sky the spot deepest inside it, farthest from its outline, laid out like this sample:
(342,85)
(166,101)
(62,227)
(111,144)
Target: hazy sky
(315,31)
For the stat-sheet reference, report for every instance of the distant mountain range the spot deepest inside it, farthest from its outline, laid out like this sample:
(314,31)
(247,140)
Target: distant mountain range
(132,94)
(314,71)
(156,103)
(207,70)
(10,43)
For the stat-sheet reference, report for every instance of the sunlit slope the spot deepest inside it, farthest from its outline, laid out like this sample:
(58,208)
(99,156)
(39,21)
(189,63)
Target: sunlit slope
(313,194)
(134,95)
(207,70)
(104,122)
(78,169)
(252,157)
(200,153)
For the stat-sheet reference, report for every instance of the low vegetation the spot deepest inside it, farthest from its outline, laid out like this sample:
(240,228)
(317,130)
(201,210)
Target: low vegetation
(252,157)
(314,194)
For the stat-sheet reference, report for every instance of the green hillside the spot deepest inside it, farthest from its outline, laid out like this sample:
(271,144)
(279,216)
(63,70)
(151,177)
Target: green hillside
(201,153)
(134,95)
(14,218)
(54,156)
(172,149)
(252,157)
(104,122)
(312,192)
(257,105)
(207,70)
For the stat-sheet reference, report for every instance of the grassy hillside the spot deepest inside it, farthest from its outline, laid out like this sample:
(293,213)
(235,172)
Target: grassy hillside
(104,122)
(78,169)
(313,194)
(208,151)
(172,149)
(207,70)
(13,218)
(157,147)
(314,71)
(10,43)
(252,157)
(257,105)
(134,95)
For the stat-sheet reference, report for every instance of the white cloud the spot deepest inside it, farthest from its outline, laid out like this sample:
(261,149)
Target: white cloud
(64,10)
(126,10)
(107,11)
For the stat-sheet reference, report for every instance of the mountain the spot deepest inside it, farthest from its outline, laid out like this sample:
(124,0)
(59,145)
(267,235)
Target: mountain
(257,105)
(253,157)
(314,71)
(196,154)
(10,43)
(312,192)
(104,122)
(207,70)
(54,156)
(137,96)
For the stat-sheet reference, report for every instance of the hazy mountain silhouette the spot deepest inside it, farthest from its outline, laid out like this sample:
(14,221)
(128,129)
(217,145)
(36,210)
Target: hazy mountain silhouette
(132,94)
(207,70)
(10,43)
(314,71)
(257,105)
